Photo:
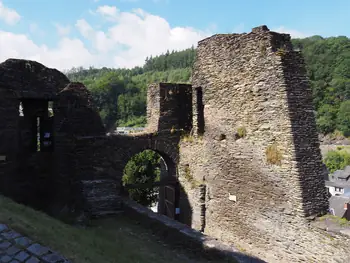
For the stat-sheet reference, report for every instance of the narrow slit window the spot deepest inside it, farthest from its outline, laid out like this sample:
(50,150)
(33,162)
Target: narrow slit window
(50,109)
(38,134)
(200,111)
(20,109)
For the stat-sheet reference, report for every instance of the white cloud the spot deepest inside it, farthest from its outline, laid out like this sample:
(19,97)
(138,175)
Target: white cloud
(62,30)
(8,15)
(293,33)
(108,11)
(129,39)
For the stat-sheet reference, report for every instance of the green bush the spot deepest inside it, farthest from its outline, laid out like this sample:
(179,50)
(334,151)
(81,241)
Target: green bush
(337,160)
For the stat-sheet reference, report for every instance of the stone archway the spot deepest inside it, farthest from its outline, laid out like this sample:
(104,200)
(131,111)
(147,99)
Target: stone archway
(143,183)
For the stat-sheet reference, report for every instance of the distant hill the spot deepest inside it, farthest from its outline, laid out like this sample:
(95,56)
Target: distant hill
(120,94)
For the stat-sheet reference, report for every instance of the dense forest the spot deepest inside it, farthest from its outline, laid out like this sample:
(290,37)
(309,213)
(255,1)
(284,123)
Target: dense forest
(120,94)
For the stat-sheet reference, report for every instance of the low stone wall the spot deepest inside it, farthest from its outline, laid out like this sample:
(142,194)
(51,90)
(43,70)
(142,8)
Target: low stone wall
(181,235)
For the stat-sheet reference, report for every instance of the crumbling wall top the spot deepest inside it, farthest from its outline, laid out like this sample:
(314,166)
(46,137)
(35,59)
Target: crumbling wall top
(277,40)
(79,92)
(259,29)
(30,79)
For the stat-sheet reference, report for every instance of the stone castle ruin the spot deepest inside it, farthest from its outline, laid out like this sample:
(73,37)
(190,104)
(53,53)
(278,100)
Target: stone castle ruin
(239,144)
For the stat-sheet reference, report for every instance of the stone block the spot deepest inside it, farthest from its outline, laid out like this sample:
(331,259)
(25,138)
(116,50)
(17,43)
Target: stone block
(37,249)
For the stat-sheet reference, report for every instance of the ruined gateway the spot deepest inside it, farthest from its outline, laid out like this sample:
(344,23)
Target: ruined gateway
(241,141)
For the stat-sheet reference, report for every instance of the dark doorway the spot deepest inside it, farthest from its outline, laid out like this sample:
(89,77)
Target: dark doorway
(35,152)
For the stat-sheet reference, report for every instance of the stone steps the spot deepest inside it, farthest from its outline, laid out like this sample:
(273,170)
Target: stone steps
(101,197)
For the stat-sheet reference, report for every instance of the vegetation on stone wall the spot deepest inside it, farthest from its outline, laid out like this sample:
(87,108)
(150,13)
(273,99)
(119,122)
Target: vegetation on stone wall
(337,159)
(273,154)
(241,132)
(143,168)
(189,177)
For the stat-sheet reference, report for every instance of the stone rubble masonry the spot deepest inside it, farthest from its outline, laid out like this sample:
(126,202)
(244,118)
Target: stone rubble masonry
(180,235)
(19,170)
(241,140)
(255,82)
(15,247)
(169,106)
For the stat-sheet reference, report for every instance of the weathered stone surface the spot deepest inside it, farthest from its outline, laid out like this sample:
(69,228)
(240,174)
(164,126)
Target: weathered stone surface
(22,256)
(3,227)
(38,249)
(32,85)
(10,234)
(241,142)
(20,250)
(5,259)
(23,241)
(52,258)
(33,260)
(255,82)
(4,245)
(12,250)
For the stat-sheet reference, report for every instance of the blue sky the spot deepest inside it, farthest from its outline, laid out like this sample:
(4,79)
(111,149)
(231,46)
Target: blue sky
(121,33)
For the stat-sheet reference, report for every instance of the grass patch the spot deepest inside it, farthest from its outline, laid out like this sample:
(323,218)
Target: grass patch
(187,138)
(189,178)
(241,132)
(336,219)
(108,241)
(273,155)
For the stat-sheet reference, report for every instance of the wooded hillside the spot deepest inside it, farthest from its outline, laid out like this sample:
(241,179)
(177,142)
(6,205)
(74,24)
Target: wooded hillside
(120,94)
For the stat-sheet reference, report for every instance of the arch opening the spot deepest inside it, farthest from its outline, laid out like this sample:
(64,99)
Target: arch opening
(149,178)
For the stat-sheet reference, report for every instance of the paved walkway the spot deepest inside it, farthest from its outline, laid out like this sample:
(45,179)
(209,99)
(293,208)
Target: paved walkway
(16,248)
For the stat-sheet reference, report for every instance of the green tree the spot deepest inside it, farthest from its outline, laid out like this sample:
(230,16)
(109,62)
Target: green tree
(337,160)
(326,118)
(143,168)
(343,118)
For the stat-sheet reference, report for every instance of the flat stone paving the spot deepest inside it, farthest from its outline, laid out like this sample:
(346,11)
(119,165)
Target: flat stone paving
(16,248)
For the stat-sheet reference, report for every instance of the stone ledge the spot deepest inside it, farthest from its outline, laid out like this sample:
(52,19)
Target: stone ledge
(184,236)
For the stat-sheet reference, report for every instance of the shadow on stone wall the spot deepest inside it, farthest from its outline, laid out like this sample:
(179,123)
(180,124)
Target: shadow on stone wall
(182,236)
(305,136)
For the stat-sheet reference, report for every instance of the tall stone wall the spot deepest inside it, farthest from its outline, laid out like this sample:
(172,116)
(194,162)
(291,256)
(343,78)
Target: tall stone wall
(169,106)
(259,155)
(23,171)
